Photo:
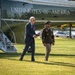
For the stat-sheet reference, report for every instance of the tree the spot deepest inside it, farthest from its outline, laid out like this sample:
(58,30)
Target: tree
(4,14)
(16,16)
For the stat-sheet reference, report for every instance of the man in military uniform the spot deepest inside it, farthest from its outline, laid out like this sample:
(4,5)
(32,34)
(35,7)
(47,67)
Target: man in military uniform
(47,38)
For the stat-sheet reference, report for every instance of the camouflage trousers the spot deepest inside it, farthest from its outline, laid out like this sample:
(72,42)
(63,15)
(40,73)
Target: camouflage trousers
(48,50)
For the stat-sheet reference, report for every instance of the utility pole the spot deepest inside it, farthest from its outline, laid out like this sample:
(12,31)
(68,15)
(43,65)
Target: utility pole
(70,25)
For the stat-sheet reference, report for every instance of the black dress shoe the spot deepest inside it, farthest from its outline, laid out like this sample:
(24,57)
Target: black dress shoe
(33,60)
(20,59)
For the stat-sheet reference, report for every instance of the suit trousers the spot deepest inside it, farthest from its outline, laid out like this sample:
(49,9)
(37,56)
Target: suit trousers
(48,49)
(27,45)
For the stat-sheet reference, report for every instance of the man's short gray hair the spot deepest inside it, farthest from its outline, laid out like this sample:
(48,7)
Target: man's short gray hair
(31,18)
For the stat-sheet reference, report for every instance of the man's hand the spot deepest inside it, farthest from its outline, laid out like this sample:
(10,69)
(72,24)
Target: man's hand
(35,36)
(44,44)
(53,43)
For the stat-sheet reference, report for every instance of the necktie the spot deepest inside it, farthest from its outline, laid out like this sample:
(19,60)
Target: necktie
(32,26)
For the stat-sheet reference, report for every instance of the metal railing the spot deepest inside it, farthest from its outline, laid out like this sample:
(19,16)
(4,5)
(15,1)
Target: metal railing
(11,30)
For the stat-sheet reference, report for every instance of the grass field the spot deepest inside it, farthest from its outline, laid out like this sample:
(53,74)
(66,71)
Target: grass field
(61,60)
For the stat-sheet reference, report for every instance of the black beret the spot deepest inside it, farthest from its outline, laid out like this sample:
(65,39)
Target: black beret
(48,22)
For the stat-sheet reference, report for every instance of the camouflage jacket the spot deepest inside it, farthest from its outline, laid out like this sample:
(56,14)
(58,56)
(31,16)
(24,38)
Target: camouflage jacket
(47,36)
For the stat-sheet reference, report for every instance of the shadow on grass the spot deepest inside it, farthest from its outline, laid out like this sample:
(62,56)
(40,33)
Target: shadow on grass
(54,63)
(57,63)
(4,55)
(9,55)
(49,63)
(42,54)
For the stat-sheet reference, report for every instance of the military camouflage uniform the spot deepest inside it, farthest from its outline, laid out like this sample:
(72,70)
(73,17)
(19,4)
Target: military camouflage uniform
(47,39)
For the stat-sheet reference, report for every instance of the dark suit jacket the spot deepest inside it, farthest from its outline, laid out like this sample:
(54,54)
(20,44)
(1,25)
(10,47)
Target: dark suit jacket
(29,32)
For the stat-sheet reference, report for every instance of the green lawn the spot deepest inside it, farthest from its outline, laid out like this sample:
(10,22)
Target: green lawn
(61,60)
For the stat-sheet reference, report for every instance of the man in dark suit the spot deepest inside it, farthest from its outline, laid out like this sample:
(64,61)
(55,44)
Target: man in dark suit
(29,38)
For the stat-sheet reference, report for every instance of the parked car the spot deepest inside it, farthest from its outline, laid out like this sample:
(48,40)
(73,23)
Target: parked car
(64,34)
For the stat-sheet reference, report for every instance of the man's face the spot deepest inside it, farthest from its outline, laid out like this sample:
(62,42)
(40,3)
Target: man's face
(48,25)
(32,20)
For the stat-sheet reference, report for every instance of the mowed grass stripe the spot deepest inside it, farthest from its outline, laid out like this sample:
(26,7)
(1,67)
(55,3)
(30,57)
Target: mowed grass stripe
(61,60)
